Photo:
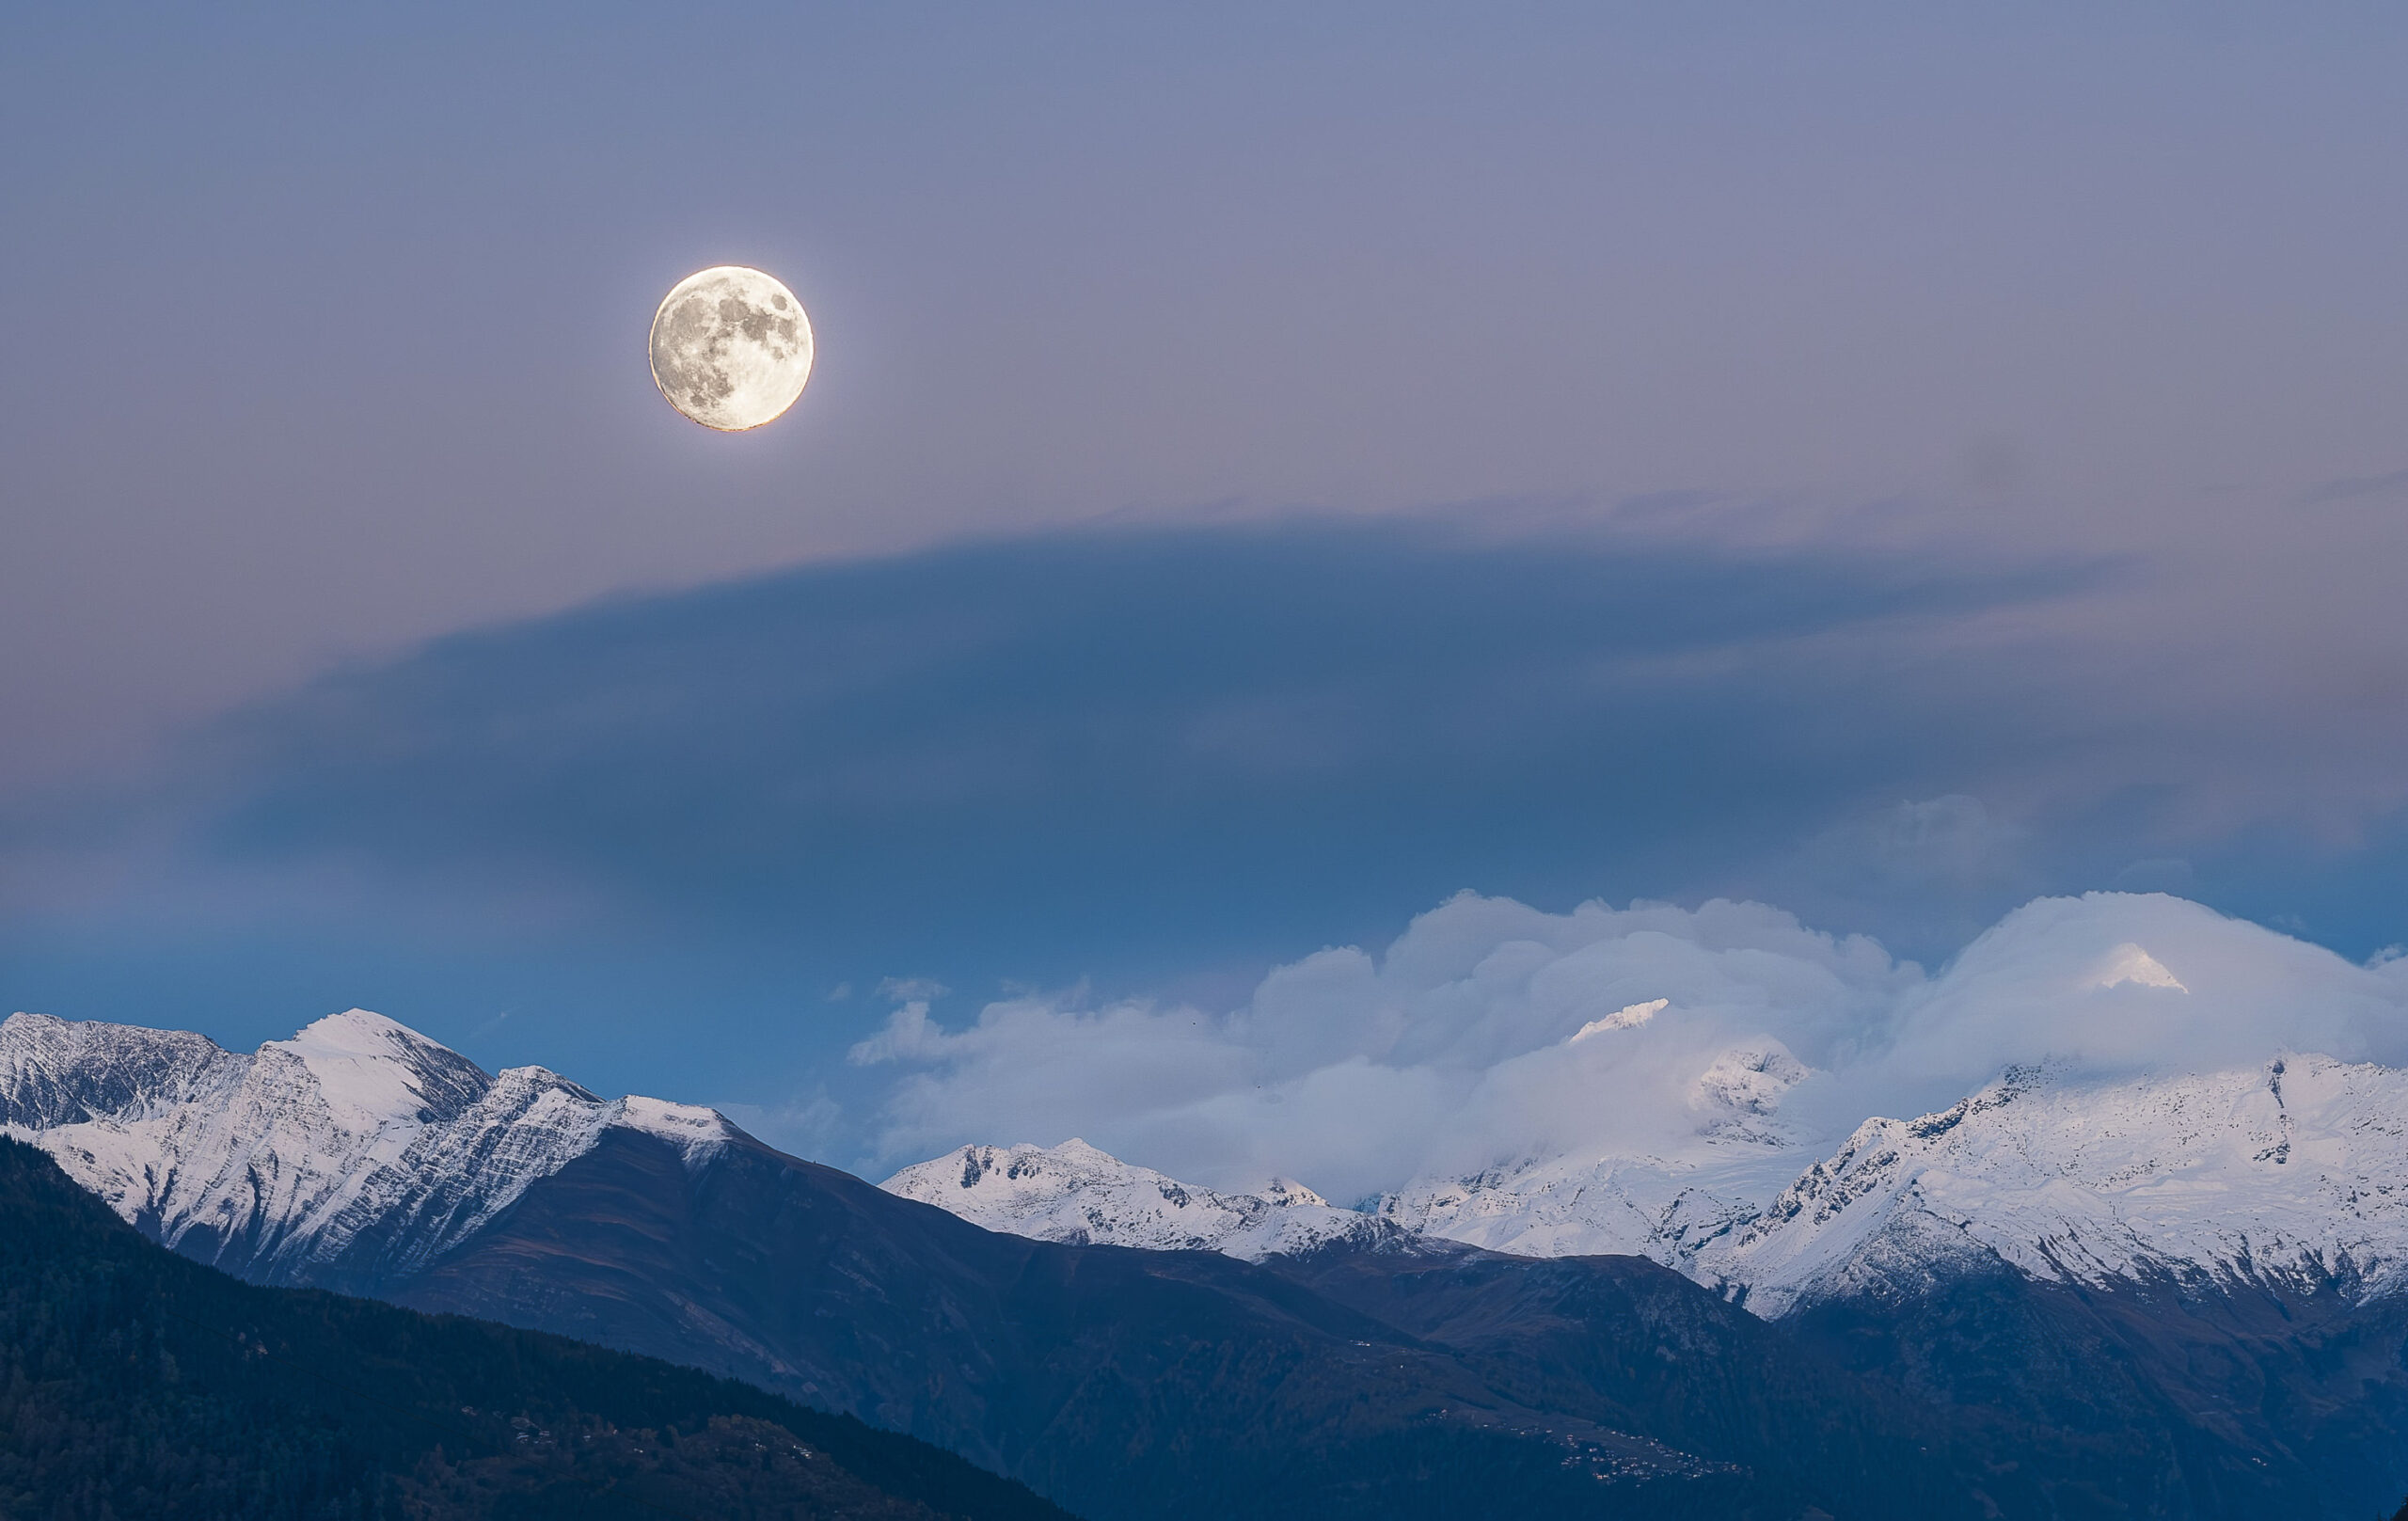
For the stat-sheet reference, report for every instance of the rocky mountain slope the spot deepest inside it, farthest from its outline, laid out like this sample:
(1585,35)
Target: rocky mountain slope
(136,1383)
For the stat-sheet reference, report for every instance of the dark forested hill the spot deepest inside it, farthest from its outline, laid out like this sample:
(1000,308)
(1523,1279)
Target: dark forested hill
(135,1384)
(1138,1386)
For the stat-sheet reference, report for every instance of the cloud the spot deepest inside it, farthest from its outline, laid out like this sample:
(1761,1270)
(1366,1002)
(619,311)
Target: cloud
(1491,1031)
(2123,983)
(1106,751)
(1162,758)
(1488,1029)
(806,1127)
(2355,486)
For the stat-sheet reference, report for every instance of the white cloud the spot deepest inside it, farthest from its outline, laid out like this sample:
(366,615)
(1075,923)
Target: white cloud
(2125,983)
(1462,1042)
(1491,1031)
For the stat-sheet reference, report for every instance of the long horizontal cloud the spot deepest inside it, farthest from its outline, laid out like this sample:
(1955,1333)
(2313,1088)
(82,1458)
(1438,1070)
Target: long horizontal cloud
(1491,1033)
(1162,759)
(1324,722)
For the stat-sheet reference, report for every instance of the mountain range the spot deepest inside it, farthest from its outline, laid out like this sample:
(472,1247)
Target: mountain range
(2287,1178)
(2155,1297)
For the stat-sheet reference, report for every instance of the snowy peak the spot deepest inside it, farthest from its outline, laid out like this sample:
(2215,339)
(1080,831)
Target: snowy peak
(2293,1176)
(371,1072)
(1671,1210)
(2289,1175)
(1670,1201)
(2129,965)
(696,1131)
(1075,1192)
(1735,1153)
(349,1155)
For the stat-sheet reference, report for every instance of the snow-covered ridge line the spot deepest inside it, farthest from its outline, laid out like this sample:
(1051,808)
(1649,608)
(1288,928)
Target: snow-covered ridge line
(2291,1174)
(1074,1193)
(354,1154)
(357,1151)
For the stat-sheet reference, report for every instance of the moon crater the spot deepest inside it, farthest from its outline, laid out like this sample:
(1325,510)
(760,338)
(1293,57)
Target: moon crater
(731,348)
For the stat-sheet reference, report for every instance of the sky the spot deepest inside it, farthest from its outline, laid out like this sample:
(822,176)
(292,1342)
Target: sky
(1268,469)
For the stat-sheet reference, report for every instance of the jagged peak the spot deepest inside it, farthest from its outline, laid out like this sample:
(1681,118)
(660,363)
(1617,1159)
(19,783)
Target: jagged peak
(1289,1193)
(544,1078)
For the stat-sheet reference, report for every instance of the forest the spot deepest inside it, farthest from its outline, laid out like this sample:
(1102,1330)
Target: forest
(135,1384)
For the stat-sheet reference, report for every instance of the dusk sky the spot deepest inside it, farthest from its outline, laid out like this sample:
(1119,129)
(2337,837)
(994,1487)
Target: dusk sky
(1264,474)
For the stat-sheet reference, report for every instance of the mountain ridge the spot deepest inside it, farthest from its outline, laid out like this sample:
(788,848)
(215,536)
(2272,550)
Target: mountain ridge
(2292,1173)
(1118,1382)
(355,1150)
(1368,1371)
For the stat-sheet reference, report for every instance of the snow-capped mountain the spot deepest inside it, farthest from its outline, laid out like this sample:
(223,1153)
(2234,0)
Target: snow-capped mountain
(2292,1175)
(362,1157)
(1671,1204)
(1674,1204)
(1074,1193)
(352,1154)
(357,1152)
(1670,1210)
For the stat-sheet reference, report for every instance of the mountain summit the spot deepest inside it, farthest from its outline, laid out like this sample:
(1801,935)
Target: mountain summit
(347,1157)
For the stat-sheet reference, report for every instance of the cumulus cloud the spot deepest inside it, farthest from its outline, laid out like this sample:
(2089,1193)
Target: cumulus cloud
(1491,1031)
(2126,983)
(1488,1028)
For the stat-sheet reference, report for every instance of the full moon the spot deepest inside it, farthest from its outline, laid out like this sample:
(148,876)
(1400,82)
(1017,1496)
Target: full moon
(731,348)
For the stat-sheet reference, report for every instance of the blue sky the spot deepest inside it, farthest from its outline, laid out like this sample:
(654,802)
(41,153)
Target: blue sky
(1268,469)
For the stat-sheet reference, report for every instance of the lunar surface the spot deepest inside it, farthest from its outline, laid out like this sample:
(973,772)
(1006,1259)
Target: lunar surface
(731,348)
